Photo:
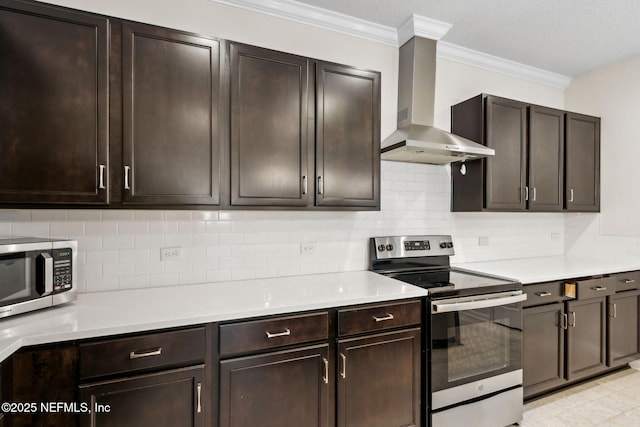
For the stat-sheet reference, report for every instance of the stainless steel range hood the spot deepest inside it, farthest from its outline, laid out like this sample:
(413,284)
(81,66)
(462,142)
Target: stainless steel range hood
(416,139)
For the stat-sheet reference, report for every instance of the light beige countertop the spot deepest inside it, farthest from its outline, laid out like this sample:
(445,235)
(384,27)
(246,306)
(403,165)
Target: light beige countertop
(545,269)
(120,312)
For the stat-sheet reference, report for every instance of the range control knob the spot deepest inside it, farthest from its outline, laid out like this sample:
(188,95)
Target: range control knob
(449,244)
(443,245)
(380,248)
(389,247)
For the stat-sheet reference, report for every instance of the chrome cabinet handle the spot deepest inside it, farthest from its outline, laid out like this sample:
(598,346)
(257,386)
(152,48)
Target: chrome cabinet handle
(573,317)
(285,333)
(343,372)
(615,311)
(599,288)
(534,194)
(127,170)
(320,185)
(628,281)
(325,378)
(146,353)
(304,184)
(526,193)
(103,168)
(199,392)
(571,195)
(388,316)
(564,323)
(543,294)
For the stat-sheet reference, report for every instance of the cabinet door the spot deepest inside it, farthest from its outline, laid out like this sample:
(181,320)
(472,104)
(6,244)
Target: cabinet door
(546,159)
(170,117)
(506,132)
(586,345)
(41,375)
(170,398)
(281,389)
(582,152)
(379,380)
(543,346)
(623,328)
(348,136)
(270,161)
(54,105)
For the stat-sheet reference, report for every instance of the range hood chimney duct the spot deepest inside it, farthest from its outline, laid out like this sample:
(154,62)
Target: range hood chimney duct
(416,139)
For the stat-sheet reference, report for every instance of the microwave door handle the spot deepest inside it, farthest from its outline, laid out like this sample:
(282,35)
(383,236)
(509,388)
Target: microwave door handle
(48,273)
(451,305)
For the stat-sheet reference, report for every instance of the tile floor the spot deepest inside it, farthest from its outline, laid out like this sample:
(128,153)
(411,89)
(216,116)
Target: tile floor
(610,401)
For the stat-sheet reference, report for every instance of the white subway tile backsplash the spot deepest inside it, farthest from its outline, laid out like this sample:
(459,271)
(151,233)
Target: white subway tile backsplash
(120,249)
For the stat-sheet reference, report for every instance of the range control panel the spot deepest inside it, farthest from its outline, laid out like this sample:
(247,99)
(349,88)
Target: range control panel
(412,246)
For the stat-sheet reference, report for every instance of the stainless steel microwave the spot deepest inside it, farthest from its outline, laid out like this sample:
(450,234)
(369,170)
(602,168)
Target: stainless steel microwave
(36,273)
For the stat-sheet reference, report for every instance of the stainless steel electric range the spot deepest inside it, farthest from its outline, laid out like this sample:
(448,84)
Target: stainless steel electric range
(473,333)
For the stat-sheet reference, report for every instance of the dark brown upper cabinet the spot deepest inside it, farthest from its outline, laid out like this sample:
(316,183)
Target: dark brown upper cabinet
(270,144)
(54,105)
(347,136)
(545,190)
(535,157)
(299,130)
(582,192)
(494,183)
(170,98)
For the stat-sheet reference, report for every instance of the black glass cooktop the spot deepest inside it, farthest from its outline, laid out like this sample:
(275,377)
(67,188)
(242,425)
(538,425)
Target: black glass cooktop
(452,282)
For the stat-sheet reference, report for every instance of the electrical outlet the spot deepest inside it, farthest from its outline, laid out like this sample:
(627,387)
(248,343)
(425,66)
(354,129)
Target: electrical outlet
(308,248)
(170,254)
(483,241)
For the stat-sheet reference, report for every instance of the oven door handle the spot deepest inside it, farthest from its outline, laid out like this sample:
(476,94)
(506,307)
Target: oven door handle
(446,306)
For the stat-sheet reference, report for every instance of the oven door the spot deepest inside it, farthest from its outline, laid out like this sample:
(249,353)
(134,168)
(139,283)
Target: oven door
(476,346)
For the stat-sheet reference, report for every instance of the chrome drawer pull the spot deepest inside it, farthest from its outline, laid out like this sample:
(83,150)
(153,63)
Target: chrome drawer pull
(543,294)
(286,332)
(599,288)
(388,316)
(146,353)
(628,281)
(127,171)
(325,378)
(199,388)
(101,184)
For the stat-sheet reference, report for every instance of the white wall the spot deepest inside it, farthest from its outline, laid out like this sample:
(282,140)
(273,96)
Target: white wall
(121,249)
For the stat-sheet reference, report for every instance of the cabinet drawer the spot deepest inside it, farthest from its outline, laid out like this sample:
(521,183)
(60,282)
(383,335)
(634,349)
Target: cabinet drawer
(160,350)
(543,293)
(379,317)
(245,337)
(595,288)
(627,281)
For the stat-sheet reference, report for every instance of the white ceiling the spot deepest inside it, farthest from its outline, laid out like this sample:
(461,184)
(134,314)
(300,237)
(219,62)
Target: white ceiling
(568,37)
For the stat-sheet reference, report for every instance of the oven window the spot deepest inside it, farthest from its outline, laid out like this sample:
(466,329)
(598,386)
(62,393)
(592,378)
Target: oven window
(17,278)
(474,344)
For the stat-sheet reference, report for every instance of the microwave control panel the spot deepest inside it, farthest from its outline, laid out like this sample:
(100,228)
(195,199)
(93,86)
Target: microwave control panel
(62,276)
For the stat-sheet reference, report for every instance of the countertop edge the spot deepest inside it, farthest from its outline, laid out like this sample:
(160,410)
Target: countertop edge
(78,322)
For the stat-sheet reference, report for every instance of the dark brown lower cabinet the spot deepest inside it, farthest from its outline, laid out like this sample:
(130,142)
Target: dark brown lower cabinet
(288,388)
(586,337)
(38,376)
(543,356)
(379,380)
(623,328)
(169,398)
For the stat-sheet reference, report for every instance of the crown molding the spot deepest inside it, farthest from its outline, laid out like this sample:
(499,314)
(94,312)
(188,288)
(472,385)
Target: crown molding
(493,63)
(422,26)
(416,25)
(311,15)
